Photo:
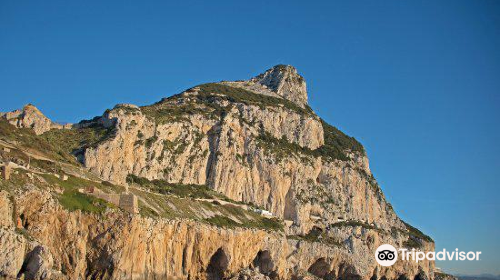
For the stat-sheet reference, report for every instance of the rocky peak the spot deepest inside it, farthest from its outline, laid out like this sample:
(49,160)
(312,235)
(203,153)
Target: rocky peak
(30,117)
(286,82)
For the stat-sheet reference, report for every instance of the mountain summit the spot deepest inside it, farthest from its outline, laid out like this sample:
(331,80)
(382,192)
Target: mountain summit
(286,82)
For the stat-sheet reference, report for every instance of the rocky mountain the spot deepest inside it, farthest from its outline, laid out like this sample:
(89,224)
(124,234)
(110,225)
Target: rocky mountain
(233,180)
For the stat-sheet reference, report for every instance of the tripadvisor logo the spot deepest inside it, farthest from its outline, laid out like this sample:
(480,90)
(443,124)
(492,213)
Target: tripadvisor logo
(387,255)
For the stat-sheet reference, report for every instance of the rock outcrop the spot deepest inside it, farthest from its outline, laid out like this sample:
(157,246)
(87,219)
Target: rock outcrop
(30,117)
(286,82)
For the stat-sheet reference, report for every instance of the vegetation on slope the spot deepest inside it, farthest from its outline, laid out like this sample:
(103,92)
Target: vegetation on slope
(281,147)
(337,145)
(415,236)
(413,231)
(166,112)
(191,201)
(26,138)
(71,199)
(239,95)
(72,141)
(205,103)
(57,144)
(180,190)
(317,235)
(246,219)
(67,191)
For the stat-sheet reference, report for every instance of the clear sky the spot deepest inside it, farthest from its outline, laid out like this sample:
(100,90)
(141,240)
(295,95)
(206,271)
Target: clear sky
(417,82)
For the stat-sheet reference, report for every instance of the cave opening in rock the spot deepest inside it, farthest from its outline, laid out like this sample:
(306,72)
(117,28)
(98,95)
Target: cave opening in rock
(32,264)
(420,276)
(348,272)
(24,221)
(218,265)
(321,269)
(264,263)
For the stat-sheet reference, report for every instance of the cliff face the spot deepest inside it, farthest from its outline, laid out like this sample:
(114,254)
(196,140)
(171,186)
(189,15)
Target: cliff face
(260,152)
(75,245)
(255,144)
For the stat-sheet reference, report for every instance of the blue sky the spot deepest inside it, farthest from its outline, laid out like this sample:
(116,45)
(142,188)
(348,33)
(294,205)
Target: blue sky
(417,82)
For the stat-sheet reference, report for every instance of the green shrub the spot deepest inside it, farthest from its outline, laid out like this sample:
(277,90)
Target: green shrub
(337,143)
(268,223)
(281,148)
(45,165)
(74,141)
(222,221)
(149,142)
(180,190)
(165,113)
(335,147)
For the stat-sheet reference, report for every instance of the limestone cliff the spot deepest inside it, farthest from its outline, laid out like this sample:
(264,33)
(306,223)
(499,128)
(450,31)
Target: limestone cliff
(202,164)
(252,147)
(57,244)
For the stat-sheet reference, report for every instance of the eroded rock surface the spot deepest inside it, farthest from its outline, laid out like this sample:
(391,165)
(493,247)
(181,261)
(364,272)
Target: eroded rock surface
(286,82)
(255,142)
(116,245)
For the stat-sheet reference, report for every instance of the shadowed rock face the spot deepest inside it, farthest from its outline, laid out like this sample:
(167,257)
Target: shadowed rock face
(321,269)
(264,263)
(36,264)
(217,266)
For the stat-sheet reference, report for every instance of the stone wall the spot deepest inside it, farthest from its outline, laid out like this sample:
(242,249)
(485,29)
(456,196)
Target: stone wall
(128,202)
(6,172)
(125,201)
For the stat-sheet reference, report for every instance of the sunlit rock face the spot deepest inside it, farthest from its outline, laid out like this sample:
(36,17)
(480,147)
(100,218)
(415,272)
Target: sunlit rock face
(256,142)
(30,117)
(286,82)
(76,245)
